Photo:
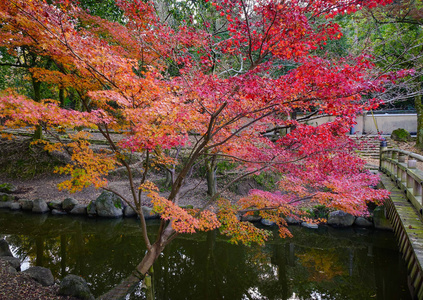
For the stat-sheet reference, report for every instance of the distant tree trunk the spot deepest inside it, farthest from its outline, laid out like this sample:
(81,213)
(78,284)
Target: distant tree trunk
(79,104)
(211,167)
(62,97)
(419,108)
(38,133)
(170,172)
(168,179)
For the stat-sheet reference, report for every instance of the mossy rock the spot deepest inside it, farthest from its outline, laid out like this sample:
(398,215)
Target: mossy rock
(55,204)
(400,135)
(69,203)
(8,188)
(92,209)
(109,205)
(76,286)
(6,197)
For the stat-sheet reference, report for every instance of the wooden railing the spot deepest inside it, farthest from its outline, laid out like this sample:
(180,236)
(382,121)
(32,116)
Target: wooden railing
(401,166)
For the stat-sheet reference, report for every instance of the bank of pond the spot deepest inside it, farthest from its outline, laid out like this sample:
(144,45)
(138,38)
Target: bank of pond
(327,263)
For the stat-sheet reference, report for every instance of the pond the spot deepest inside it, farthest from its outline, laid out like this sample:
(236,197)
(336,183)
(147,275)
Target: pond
(315,264)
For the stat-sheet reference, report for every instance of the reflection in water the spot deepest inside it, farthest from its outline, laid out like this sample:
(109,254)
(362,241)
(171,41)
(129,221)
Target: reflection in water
(324,264)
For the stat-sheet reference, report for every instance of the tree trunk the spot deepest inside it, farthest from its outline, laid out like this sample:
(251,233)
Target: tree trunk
(419,108)
(38,133)
(128,284)
(121,290)
(211,176)
(169,178)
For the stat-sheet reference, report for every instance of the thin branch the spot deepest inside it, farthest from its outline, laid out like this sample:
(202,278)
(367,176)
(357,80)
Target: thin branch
(237,131)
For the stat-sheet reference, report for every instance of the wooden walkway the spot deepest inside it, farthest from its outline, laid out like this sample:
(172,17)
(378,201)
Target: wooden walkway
(408,227)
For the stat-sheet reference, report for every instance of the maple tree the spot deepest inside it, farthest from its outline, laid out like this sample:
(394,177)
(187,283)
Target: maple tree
(209,89)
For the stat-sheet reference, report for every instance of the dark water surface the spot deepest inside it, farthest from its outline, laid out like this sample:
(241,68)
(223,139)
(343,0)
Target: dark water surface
(315,264)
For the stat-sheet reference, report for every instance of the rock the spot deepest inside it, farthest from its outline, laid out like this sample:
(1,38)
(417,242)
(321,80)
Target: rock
(41,275)
(250,218)
(61,156)
(92,209)
(56,204)
(148,213)
(40,206)
(129,212)
(13,261)
(340,218)
(26,204)
(400,135)
(79,209)
(379,219)
(58,212)
(291,220)
(309,225)
(5,204)
(4,248)
(6,197)
(11,270)
(109,205)
(15,206)
(69,203)
(266,222)
(362,222)
(7,188)
(75,286)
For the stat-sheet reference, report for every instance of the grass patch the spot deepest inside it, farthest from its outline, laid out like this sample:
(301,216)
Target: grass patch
(20,159)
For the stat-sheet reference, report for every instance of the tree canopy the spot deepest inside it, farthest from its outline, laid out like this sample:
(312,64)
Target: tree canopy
(210,84)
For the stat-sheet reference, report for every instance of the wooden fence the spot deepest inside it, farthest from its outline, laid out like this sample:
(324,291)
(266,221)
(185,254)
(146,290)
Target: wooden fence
(404,209)
(402,167)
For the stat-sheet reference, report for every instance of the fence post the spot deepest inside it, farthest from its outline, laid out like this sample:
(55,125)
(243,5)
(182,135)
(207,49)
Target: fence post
(411,164)
(415,184)
(394,165)
(383,147)
(401,175)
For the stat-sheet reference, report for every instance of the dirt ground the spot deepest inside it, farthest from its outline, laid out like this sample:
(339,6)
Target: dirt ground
(44,185)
